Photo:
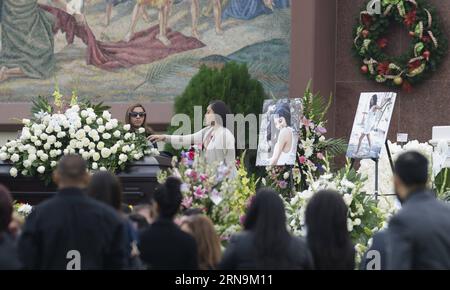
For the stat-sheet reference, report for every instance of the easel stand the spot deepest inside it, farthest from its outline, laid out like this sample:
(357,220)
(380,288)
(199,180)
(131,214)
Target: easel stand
(376,160)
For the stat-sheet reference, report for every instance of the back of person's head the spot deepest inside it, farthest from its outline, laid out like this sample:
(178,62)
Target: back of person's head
(208,242)
(266,219)
(410,172)
(106,187)
(71,172)
(168,197)
(221,110)
(6,208)
(327,234)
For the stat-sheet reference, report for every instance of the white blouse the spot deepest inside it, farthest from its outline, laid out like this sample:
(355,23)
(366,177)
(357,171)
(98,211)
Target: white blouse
(220,144)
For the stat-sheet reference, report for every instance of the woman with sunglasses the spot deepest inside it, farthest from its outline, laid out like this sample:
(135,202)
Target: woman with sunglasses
(216,139)
(136,116)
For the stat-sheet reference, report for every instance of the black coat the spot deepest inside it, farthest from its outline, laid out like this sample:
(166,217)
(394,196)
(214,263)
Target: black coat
(241,255)
(379,244)
(164,246)
(419,235)
(73,221)
(9,259)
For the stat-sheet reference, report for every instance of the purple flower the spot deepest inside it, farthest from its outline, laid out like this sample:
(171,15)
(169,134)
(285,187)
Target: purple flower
(282,184)
(242,219)
(321,130)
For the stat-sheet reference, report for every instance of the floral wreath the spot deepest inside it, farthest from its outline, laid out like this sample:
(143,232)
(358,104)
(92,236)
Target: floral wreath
(425,54)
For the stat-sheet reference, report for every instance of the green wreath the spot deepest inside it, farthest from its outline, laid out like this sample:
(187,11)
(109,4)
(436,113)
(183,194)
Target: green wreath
(428,47)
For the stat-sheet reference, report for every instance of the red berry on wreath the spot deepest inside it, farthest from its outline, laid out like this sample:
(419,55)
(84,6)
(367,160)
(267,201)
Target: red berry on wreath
(364,69)
(426,54)
(365,33)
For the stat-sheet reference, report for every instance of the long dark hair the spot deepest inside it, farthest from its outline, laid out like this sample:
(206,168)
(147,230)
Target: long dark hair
(327,234)
(168,197)
(148,130)
(266,218)
(106,187)
(222,110)
(282,109)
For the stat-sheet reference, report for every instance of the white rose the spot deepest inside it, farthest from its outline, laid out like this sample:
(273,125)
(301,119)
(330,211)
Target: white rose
(96,156)
(65,124)
(357,222)
(13,172)
(322,138)
(87,128)
(137,156)
(32,157)
(66,151)
(58,144)
(26,121)
(106,136)
(101,129)
(81,151)
(103,168)
(94,166)
(123,157)
(33,139)
(44,157)
(85,155)
(127,127)
(52,153)
(108,126)
(11,149)
(100,145)
(132,147)
(96,138)
(61,134)
(86,142)
(126,149)
(27,163)
(141,130)
(114,149)
(106,115)
(77,124)
(127,136)
(100,121)
(79,145)
(3,156)
(91,145)
(72,131)
(57,129)
(43,136)
(73,143)
(37,132)
(106,152)
(47,146)
(53,164)
(89,120)
(84,114)
(39,153)
(49,129)
(58,152)
(116,134)
(348,198)
(24,172)
(93,133)
(51,139)
(72,151)
(41,169)
(349,225)
(15,157)
(80,134)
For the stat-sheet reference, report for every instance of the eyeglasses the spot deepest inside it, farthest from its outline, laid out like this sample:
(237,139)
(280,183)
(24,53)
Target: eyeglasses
(136,114)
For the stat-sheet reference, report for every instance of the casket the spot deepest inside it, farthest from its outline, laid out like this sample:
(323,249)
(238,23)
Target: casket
(139,180)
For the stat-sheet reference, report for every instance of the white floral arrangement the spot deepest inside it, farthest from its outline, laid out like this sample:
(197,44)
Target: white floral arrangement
(385,178)
(23,209)
(83,129)
(366,214)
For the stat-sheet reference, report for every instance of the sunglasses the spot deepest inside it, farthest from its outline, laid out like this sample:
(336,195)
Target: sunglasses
(135,115)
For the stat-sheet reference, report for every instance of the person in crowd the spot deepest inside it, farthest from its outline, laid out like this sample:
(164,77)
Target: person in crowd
(72,230)
(419,234)
(136,116)
(106,187)
(163,245)
(9,259)
(265,243)
(216,139)
(376,256)
(208,242)
(327,234)
(139,222)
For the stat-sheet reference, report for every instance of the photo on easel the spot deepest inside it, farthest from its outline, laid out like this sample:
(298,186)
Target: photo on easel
(371,125)
(279,131)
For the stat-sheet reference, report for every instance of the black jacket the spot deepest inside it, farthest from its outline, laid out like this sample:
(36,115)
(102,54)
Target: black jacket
(419,235)
(73,221)
(9,259)
(241,255)
(164,246)
(379,245)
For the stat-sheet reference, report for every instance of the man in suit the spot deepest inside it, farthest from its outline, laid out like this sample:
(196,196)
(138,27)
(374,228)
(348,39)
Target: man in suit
(164,246)
(72,230)
(419,235)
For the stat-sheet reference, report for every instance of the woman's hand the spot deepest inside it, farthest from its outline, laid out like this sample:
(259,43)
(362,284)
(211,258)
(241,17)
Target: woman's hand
(156,138)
